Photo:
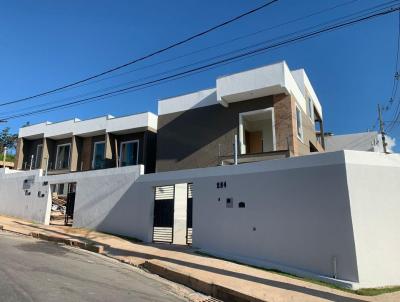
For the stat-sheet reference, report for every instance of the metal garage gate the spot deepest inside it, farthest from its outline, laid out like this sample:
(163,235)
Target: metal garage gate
(163,226)
(189,216)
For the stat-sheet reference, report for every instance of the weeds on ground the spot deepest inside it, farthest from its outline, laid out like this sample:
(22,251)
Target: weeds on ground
(361,291)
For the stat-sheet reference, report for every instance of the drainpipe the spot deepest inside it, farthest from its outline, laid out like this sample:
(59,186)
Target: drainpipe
(334,267)
(235,151)
(30,168)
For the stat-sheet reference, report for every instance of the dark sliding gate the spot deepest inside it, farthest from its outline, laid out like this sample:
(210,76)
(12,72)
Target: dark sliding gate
(163,226)
(189,215)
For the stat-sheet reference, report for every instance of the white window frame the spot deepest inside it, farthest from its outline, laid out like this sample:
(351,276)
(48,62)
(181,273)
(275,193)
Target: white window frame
(311,113)
(37,153)
(300,135)
(69,155)
(125,143)
(94,151)
(242,145)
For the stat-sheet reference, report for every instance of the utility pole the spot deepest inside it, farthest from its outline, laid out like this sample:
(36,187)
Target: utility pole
(4,157)
(382,129)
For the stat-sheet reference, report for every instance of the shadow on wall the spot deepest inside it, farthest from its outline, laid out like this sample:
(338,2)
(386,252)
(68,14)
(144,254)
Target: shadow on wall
(119,212)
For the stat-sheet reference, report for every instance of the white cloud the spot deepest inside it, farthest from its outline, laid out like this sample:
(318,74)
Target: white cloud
(391,143)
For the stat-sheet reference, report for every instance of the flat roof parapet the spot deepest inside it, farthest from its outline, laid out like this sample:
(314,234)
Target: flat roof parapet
(246,85)
(89,127)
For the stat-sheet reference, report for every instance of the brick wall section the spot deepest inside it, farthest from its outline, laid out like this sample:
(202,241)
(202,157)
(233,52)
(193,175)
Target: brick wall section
(86,152)
(284,119)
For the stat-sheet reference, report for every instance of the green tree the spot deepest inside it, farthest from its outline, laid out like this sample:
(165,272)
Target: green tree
(7,140)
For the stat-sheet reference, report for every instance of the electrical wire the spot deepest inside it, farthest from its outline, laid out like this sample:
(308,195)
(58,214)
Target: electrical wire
(201,68)
(147,56)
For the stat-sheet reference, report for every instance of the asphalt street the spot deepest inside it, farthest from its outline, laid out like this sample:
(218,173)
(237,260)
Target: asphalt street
(34,270)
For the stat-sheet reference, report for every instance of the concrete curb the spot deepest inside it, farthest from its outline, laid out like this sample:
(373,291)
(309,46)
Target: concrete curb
(96,248)
(210,289)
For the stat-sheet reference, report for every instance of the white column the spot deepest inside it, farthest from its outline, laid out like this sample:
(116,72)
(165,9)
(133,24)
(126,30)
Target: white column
(180,212)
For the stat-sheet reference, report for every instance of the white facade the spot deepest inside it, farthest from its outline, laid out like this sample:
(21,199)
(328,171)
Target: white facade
(90,127)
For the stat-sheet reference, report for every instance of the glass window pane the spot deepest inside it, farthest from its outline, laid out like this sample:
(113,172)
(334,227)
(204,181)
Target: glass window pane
(298,122)
(98,156)
(129,153)
(39,153)
(63,157)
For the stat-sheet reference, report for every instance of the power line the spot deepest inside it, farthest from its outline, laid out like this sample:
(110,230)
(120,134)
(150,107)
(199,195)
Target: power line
(218,56)
(145,56)
(227,41)
(374,8)
(204,67)
(395,83)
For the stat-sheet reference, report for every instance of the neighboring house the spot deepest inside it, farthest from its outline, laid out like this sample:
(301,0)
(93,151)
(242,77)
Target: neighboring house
(365,141)
(98,143)
(273,111)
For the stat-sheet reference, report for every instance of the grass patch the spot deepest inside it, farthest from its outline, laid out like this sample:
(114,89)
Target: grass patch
(9,158)
(377,291)
(362,291)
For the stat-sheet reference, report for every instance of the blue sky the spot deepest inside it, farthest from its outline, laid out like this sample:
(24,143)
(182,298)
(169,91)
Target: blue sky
(45,44)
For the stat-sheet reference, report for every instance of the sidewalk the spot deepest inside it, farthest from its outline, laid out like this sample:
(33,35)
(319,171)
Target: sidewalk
(223,279)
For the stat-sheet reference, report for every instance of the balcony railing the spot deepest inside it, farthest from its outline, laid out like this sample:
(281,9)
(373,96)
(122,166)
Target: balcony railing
(254,157)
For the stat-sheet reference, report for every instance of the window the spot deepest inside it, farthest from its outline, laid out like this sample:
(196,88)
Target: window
(39,153)
(62,157)
(310,109)
(129,154)
(299,123)
(99,155)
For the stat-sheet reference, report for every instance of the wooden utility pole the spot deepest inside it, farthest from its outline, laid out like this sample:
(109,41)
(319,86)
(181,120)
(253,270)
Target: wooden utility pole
(382,128)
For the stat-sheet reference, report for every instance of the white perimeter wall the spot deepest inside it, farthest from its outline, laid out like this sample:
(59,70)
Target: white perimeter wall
(297,215)
(14,202)
(107,201)
(300,214)
(374,186)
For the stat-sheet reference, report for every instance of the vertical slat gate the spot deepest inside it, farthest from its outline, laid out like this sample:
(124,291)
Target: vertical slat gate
(189,217)
(163,214)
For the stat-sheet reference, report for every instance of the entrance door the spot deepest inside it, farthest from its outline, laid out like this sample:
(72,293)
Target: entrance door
(163,214)
(254,142)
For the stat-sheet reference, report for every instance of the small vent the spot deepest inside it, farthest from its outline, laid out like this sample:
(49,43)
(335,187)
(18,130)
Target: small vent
(165,192)
(190,190)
